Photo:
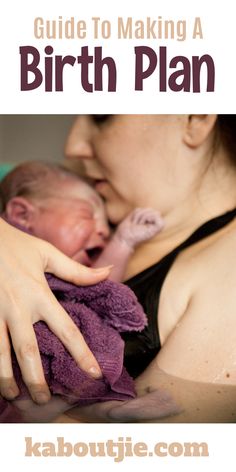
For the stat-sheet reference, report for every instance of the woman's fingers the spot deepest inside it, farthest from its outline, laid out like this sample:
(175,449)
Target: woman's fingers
(8,387)
(55,316)
(71,271)
(64,328)
(26,298)
(28,357)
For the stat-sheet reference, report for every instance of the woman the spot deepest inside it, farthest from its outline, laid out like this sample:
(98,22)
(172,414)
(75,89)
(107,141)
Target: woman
(183,166)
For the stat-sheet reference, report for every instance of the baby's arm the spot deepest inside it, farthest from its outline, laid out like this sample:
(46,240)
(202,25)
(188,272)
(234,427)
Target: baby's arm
(139,226)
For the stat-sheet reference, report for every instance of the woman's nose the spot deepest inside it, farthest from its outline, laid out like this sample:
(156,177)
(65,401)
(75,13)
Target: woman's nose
(79,141)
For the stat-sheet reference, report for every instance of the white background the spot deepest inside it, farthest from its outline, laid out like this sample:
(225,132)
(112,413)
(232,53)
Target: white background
(220,439)
(218,23)
(16,29)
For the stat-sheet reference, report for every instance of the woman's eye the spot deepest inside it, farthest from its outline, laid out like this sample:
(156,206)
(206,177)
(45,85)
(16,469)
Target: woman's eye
(100,119)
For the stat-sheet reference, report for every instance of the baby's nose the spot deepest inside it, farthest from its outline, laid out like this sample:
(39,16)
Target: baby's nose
(103,231)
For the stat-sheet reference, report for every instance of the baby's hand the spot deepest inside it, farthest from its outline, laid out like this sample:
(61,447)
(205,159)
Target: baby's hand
(140,225)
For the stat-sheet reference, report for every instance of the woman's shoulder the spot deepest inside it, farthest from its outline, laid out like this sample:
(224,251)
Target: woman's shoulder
(199,292)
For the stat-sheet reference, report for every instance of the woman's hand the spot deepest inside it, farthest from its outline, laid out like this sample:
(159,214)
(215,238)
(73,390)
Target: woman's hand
(26,298)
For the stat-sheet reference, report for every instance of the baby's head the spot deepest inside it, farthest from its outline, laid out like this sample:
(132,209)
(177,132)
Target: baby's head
(54,204)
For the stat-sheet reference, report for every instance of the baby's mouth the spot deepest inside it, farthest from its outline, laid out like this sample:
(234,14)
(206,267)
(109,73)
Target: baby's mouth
(93,253)
(88,256)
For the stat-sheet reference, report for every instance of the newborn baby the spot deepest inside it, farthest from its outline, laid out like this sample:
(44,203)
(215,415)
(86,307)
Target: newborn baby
(54,204)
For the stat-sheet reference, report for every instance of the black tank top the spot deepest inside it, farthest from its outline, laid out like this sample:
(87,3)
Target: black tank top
(141,348)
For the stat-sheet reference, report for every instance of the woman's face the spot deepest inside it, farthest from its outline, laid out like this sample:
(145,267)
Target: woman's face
(130,158)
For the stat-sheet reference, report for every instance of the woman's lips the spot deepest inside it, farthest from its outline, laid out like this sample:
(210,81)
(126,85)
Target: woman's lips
(99,184)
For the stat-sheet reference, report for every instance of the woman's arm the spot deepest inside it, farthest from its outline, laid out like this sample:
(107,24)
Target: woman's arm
(193,378)
(26,298)
(171,400)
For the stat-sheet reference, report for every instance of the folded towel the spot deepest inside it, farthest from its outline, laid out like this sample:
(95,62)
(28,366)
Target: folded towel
(100,311)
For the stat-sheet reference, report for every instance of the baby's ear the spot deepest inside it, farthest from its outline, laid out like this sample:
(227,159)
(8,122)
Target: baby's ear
(20,211)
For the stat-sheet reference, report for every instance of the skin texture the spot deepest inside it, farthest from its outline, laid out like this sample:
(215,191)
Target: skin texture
(26,298)
(74,220)
(174,167)
(140,225)
(175,171)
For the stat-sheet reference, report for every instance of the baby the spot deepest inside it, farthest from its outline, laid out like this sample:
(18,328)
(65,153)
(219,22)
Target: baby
(56,205)
(52,203)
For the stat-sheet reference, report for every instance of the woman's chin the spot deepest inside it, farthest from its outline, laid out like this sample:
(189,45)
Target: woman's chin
(116,211)
(117,208)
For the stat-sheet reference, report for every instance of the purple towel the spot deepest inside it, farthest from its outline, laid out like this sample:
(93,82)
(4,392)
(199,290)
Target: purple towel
(100,311)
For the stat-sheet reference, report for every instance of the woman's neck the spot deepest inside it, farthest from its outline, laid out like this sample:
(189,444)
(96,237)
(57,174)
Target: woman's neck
(215,196)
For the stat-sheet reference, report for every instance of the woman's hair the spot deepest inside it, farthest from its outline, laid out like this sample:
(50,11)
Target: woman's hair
(226,134)
(34,180)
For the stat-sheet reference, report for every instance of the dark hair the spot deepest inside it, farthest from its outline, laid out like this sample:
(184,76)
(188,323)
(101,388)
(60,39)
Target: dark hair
(226,134)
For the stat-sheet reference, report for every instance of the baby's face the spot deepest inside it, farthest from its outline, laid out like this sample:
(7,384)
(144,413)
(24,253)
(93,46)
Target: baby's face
(75,225)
